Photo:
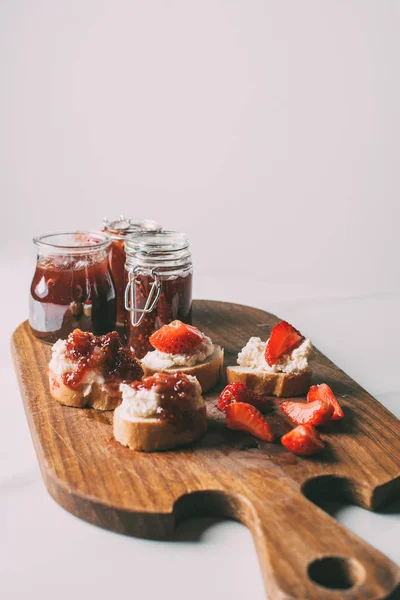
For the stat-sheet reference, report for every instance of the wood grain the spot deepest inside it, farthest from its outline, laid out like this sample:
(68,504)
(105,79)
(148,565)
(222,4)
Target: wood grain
(303,552)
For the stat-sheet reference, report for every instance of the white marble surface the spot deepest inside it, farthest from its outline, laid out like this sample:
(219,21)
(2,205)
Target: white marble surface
(47,553)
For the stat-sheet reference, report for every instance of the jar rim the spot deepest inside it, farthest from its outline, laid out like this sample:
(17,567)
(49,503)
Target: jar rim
(80,240)
(154,242)
(124,226)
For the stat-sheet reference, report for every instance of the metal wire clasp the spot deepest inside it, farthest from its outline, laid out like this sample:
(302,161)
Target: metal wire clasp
(130,301)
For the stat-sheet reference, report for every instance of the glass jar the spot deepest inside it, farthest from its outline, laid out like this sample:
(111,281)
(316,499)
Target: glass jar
(72,286)
(159,275)
(118,230)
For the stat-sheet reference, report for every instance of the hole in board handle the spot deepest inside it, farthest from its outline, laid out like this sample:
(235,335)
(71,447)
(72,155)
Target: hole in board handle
(336,572)
(323,488)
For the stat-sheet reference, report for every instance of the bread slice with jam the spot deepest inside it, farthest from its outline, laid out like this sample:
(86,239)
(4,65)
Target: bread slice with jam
(161,412)
(87,370)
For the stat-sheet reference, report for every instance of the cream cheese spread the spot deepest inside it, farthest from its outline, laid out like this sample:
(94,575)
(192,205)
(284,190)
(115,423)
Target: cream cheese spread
(61,364)
(253,356)
(160,361)
(144,403)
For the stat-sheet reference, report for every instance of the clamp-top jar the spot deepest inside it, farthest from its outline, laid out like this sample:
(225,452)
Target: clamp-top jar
(159,275)
(118,230)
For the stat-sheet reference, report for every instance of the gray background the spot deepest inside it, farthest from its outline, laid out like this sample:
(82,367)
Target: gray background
(267,130)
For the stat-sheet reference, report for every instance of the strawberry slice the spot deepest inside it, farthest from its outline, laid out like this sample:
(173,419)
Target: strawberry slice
(303,440)
(283,339)
(314,413)
(245,417)
(324,392)
(238,392)
(176,338)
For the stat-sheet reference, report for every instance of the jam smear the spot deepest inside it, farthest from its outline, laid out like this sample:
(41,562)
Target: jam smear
(104,353)
(175,390)
(69,293)
(174,303)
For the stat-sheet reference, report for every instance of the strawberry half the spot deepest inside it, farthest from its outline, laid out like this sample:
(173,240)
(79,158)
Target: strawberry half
(324,392)
(283,339)
(176,338)
(245,417)
(303,440)
(238,392)
(314,413)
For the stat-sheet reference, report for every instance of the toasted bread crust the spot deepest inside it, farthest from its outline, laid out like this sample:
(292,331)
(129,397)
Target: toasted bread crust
(271,384)
(208,373)
(97,398)
(150,435)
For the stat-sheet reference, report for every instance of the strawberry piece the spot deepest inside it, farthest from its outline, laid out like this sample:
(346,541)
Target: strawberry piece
(303,440)
(324,392)
(176,338)
(238,392)
(245,417)
(283,339)
(314,413)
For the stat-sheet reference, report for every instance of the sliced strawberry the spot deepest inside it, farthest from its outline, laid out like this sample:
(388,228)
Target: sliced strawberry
(303,440)
(234,392)
(324,392)
(238,392)
(314,413)
(245,417)
(176,338)
(283,339)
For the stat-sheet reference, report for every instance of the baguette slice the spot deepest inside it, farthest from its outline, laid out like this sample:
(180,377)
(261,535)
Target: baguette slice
(150,435)
(271,384)
(208,373)
(97,398)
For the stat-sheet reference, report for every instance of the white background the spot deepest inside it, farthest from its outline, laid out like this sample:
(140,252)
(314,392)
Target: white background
(269,131)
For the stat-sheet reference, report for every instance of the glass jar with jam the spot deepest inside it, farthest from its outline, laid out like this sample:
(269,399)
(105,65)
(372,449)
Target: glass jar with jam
(159,274)
(118,230)
(72,286)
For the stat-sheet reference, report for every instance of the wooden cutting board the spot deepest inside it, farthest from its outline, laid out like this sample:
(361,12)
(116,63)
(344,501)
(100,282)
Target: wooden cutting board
(303,552)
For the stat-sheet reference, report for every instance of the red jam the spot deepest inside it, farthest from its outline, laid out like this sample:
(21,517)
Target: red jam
(105,354)
(117,266)
(71,292)
(118,230)
(175,302)
(174,390)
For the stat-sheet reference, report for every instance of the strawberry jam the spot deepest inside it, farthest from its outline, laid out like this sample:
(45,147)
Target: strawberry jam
(159,275)
(105,354)
(118,230)
(117,267)
(176,394)
(72,286)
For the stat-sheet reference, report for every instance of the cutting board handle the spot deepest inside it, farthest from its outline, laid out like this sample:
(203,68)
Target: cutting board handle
(305,553)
